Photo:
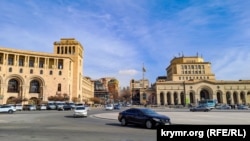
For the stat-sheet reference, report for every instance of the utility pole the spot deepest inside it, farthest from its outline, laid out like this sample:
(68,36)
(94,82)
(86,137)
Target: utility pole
(143,84)
(184,87)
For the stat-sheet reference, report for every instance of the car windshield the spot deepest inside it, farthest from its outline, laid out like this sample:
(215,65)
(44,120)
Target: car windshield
(80,108)
(148,111)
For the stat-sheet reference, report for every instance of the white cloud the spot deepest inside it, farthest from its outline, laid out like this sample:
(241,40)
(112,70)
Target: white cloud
(130,72)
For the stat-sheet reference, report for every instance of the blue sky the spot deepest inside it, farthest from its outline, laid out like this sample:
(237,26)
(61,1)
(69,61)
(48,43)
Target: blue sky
(119,36)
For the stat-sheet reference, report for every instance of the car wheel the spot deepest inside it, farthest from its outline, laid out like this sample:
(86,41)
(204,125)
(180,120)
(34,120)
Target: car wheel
(10,112)
(149,124)
(123,122)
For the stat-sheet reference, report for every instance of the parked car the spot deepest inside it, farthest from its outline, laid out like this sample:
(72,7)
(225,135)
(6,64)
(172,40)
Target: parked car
(200,108)
(80,111)
(72,104)
(42,107)
(242,107)
(19,107)
(117,106)
(143,116)
(79,104)
(7,109)
(65,107)
(109,107)
(59,105)
(223,106)
(29,107)
(51,106)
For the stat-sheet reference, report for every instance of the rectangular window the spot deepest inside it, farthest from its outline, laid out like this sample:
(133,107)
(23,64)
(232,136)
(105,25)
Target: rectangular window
(21,62)
(41,63)
(31,63)
(10,61)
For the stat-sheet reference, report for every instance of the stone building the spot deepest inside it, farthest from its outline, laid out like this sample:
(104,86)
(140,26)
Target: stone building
(113,88)
(189,79)
(140,91)
(35,76)
(87,90)
(106,89)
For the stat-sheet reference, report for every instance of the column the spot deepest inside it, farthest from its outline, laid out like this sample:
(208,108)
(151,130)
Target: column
(224,98)
(46,63)
(158,99)
(5,59)
(36,62)
(164,99)
(16,60)
(27,59)
(172,98)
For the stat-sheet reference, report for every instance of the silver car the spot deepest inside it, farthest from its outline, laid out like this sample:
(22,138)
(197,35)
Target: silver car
(80,111)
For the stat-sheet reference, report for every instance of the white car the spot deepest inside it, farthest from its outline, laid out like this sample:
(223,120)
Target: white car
(42,107)
(80,111)
(109,107)
(7,109)
(19,107)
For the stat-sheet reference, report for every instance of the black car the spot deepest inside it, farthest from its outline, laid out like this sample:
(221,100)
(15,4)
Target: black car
(143,116)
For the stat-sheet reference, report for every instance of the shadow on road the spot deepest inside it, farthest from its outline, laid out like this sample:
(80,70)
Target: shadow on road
(127,126)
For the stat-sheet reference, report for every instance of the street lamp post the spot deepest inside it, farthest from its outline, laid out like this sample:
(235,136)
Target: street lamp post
(184,90)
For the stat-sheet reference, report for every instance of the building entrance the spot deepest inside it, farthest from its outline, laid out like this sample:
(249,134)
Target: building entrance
(204,94)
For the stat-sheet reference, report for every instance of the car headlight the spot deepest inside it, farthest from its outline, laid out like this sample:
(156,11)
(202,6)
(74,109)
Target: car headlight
(156,119)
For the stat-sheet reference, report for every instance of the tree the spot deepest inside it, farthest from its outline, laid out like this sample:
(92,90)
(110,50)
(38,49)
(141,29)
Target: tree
(75,99)
(96,100)
(126,95)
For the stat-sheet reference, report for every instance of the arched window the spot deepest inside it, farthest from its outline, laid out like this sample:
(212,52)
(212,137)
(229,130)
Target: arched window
(34,86)
(10,69)
(13,86)
(31,71)
(21,70)
(59,87)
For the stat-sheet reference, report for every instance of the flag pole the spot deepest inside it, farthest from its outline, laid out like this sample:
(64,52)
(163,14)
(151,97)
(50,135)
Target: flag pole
(143,71)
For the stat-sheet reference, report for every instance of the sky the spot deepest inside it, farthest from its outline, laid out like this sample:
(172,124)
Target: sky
(121,36)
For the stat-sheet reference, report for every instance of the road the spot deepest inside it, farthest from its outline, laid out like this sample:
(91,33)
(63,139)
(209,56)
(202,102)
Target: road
(61,126)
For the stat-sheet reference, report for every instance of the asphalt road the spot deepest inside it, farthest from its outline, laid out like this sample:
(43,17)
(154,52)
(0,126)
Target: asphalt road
(60,126)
